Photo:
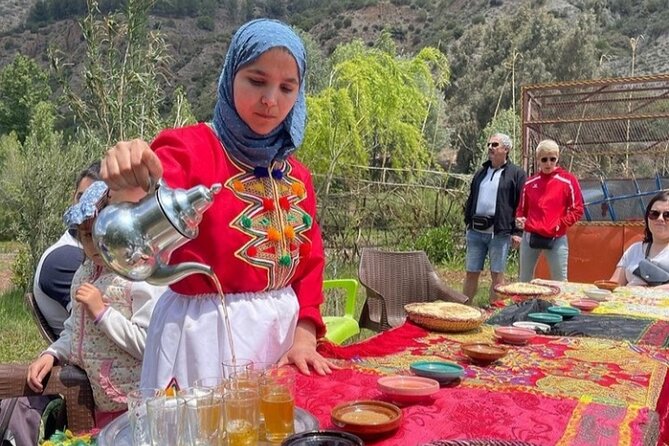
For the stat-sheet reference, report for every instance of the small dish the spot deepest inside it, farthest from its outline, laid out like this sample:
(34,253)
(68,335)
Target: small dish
(366,418)
(545,318)
(597,294)
(441,371)
(538,327)
(323,438)
(483,354)
(585,304)
(565,312)
(403,389)
(606,284)
(514,335)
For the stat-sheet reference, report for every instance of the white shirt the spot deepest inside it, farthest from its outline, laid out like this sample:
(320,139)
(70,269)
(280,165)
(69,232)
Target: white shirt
(636,253)
(486,202)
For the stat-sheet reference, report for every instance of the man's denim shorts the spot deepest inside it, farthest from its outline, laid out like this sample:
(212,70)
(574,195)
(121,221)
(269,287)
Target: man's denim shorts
(482,244)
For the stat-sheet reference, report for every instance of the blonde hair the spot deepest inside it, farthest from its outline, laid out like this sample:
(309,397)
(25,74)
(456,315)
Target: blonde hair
(547,146)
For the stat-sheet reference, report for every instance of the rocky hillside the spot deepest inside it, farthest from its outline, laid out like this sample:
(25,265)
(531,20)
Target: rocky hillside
(197,51)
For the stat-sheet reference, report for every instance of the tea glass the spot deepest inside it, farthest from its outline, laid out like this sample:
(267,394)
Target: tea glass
(277,402)
(195,398)
(241,413)
(237,366)
(137,414)
(166,415)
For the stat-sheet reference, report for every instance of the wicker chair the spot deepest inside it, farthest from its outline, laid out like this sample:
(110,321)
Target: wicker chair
(393,279)
(42,325)
(68,381)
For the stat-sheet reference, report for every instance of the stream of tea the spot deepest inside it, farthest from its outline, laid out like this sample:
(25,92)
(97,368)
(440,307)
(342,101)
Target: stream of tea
(228,329)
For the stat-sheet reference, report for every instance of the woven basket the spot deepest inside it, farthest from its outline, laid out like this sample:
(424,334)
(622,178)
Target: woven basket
(520,297)
(445,325)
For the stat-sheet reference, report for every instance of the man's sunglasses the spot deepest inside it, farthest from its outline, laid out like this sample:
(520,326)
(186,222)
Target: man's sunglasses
(493,144)
(545,159)
(654,215)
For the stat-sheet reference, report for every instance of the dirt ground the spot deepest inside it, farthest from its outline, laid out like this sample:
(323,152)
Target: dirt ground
(6,260)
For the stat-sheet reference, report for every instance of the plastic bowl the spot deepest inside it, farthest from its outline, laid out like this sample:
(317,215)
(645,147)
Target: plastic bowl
(442,371)
(403,389)
(535,326)
(482,353)
(545,318)
(600,295)
(565,312)
(515,335)
(606,284)
(585,304)
(367,418)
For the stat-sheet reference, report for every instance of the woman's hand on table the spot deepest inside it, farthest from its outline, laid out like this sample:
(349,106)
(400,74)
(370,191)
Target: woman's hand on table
(303,352)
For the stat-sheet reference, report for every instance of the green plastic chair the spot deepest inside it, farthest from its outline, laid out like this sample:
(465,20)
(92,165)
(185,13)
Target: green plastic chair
(340,328)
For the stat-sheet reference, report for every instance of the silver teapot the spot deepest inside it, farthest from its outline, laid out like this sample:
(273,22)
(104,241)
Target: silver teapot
(136,240)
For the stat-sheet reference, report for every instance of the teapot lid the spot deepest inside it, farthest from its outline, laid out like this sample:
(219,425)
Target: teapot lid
(184,208)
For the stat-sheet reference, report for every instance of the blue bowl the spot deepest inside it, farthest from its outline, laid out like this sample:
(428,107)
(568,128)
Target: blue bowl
(441,371)
(545,318)
(565,312)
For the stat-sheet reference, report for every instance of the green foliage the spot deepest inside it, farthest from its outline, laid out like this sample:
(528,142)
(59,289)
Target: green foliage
(442,244)
(493,59)
(23,84)
(36,185)
(123,94)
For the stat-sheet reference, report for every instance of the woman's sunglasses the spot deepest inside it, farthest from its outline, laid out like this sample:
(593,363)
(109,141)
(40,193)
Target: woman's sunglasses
(654,215)
(545,159)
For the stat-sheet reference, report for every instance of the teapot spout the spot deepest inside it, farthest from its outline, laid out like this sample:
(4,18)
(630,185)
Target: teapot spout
(168,274)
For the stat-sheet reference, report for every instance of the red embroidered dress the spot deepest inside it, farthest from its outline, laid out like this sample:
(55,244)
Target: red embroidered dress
(260,234)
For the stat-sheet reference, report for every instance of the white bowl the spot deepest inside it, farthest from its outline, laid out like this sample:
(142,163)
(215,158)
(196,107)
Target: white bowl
(536,326)
(598,294)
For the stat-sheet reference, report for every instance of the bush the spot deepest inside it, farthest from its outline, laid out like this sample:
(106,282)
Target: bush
(205,23)
(442,244)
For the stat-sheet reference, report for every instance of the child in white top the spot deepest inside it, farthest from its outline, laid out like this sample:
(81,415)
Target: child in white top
(106,332)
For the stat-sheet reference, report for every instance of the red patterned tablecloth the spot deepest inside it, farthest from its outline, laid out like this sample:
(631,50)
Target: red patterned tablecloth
(554,391)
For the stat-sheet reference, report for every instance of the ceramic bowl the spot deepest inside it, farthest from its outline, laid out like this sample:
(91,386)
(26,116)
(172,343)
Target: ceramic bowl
(598,294)
(366,418)
(404,389)
(606,285)
(585,304)
(323,438)
(565,312)
(441,371)
(514,335)
(483,354)
(538,327)
(545,318)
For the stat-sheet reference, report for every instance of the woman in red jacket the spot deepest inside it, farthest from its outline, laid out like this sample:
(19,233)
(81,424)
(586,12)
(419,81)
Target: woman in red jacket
(550,203)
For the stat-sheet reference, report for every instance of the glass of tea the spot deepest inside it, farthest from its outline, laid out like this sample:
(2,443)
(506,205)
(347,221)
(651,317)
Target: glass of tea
(277,402)
(242,416)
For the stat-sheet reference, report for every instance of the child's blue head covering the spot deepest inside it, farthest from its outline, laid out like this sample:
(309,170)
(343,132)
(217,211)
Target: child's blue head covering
(87,207)
(249,42)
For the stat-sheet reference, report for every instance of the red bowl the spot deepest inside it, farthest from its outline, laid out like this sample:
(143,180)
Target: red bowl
(514,335)
(585,304)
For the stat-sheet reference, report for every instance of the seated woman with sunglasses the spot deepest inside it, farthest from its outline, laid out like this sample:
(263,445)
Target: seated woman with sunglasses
(654,247)
(550,203)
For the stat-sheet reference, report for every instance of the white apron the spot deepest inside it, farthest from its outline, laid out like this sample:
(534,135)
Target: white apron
(187,338)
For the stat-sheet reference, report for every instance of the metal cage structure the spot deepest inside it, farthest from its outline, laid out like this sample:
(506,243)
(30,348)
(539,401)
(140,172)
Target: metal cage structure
(613,135)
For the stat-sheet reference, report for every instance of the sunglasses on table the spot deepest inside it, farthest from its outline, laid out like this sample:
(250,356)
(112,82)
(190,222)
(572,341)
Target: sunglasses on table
(654,215)
(545,159)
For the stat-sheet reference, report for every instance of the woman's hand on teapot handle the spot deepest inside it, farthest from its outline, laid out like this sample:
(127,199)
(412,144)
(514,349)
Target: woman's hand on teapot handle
(130,164)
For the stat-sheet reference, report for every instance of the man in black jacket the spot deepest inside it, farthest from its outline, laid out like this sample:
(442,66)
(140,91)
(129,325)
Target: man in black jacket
(489,214)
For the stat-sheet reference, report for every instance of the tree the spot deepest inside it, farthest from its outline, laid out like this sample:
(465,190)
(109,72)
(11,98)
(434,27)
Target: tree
(36,185)
(23,84)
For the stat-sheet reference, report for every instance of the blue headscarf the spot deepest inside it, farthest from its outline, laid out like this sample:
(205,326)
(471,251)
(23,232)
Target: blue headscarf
(249,42)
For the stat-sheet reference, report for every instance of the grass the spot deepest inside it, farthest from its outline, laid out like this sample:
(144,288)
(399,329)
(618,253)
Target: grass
(21,342)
